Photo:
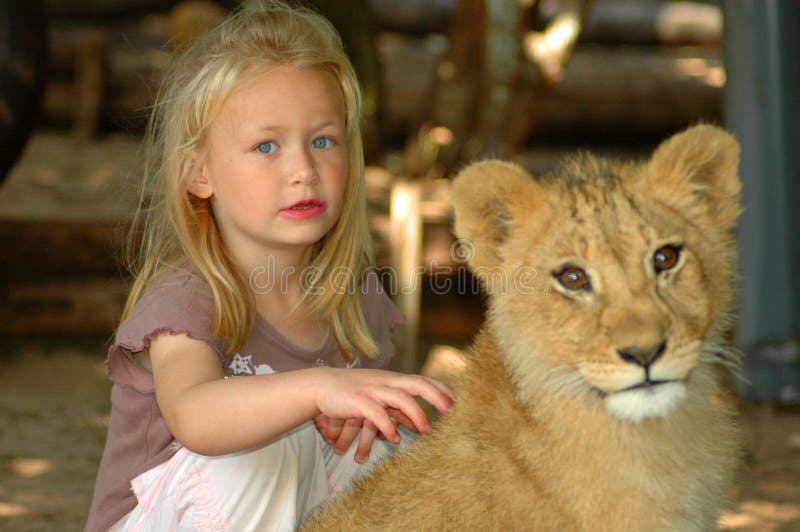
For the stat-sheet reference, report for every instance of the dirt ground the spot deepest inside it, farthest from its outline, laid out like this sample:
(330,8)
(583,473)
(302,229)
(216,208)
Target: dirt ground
(53,416)
(54,401)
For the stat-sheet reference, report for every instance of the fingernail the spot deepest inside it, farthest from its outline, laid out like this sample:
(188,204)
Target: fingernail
(427,428)
(396,438)
(359,459)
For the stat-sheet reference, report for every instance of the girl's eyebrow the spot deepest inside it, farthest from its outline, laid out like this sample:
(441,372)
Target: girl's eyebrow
(327,123)
(276,128)
(272,128)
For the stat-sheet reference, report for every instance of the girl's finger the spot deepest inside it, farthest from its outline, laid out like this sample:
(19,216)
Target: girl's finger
(376,413)
(365,440)
(401,418)
(333,430)
(405,403)
(347,435)
(440,400)
(321,423)
(422,387)
(444,388)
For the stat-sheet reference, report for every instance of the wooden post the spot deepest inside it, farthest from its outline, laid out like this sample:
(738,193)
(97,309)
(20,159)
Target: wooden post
(455,95)
(90,77)
(406,259)
(500,66)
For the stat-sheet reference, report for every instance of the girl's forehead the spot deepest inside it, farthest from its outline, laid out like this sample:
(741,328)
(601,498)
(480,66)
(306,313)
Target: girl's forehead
(282,96)
(289,81)
(282,88)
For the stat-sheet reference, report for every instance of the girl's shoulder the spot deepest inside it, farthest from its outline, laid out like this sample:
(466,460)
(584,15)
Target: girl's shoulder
(176,294)
(178,302)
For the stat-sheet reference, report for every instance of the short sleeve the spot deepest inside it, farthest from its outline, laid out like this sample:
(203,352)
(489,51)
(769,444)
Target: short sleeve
(180,304)
(382,317)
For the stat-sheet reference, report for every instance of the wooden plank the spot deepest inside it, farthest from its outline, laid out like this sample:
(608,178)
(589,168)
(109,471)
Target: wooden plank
(85,306)
(49,249)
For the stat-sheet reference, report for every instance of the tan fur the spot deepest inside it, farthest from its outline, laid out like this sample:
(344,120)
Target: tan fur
(531,443)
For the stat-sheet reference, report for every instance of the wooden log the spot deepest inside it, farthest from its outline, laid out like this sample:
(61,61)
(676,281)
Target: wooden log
(653,22)
(135,58)
(609,21)
(49,249)
(419,84)
(415,17)
(607,93)
(140,49)
(89,305)
(103,10)
(633,91)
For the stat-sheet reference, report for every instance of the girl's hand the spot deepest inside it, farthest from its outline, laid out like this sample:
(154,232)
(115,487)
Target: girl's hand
(329,428)
(370,395)
(342,432)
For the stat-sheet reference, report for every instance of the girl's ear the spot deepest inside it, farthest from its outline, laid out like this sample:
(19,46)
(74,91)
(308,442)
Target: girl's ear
(194,173)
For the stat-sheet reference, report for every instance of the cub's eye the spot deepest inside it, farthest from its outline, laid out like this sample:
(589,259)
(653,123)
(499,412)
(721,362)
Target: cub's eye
(665,258)
(573,278)
(267,147)
(322,142)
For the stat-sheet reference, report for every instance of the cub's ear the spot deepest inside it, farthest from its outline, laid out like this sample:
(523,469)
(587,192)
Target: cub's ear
(488,198)
(699,163)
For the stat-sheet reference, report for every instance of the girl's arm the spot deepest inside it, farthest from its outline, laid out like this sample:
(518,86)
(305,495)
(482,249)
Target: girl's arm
(212,416)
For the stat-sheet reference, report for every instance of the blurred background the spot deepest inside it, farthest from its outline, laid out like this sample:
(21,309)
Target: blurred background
(445,82)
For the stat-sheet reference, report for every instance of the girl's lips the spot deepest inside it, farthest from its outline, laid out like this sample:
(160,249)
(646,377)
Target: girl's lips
(304,209)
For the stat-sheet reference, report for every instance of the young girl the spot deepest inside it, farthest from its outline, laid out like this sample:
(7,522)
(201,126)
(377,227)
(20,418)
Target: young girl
(251,306)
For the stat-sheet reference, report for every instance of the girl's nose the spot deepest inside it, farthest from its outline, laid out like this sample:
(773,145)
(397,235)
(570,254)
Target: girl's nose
(303,170)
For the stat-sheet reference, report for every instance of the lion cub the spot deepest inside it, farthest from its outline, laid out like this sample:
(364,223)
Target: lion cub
(592,399)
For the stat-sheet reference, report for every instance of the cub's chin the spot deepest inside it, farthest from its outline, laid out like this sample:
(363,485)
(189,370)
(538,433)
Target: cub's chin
(642,402)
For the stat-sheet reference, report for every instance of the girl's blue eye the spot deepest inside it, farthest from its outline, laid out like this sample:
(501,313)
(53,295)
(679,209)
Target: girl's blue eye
(267,147)
(322,142)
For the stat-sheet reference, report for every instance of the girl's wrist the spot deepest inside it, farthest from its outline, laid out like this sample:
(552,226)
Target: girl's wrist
(317,377)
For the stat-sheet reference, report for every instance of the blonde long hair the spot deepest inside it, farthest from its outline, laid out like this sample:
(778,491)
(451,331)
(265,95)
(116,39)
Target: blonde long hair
(177,227)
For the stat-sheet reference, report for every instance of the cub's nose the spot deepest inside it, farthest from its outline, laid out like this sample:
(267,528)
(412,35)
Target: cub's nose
(643,356)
